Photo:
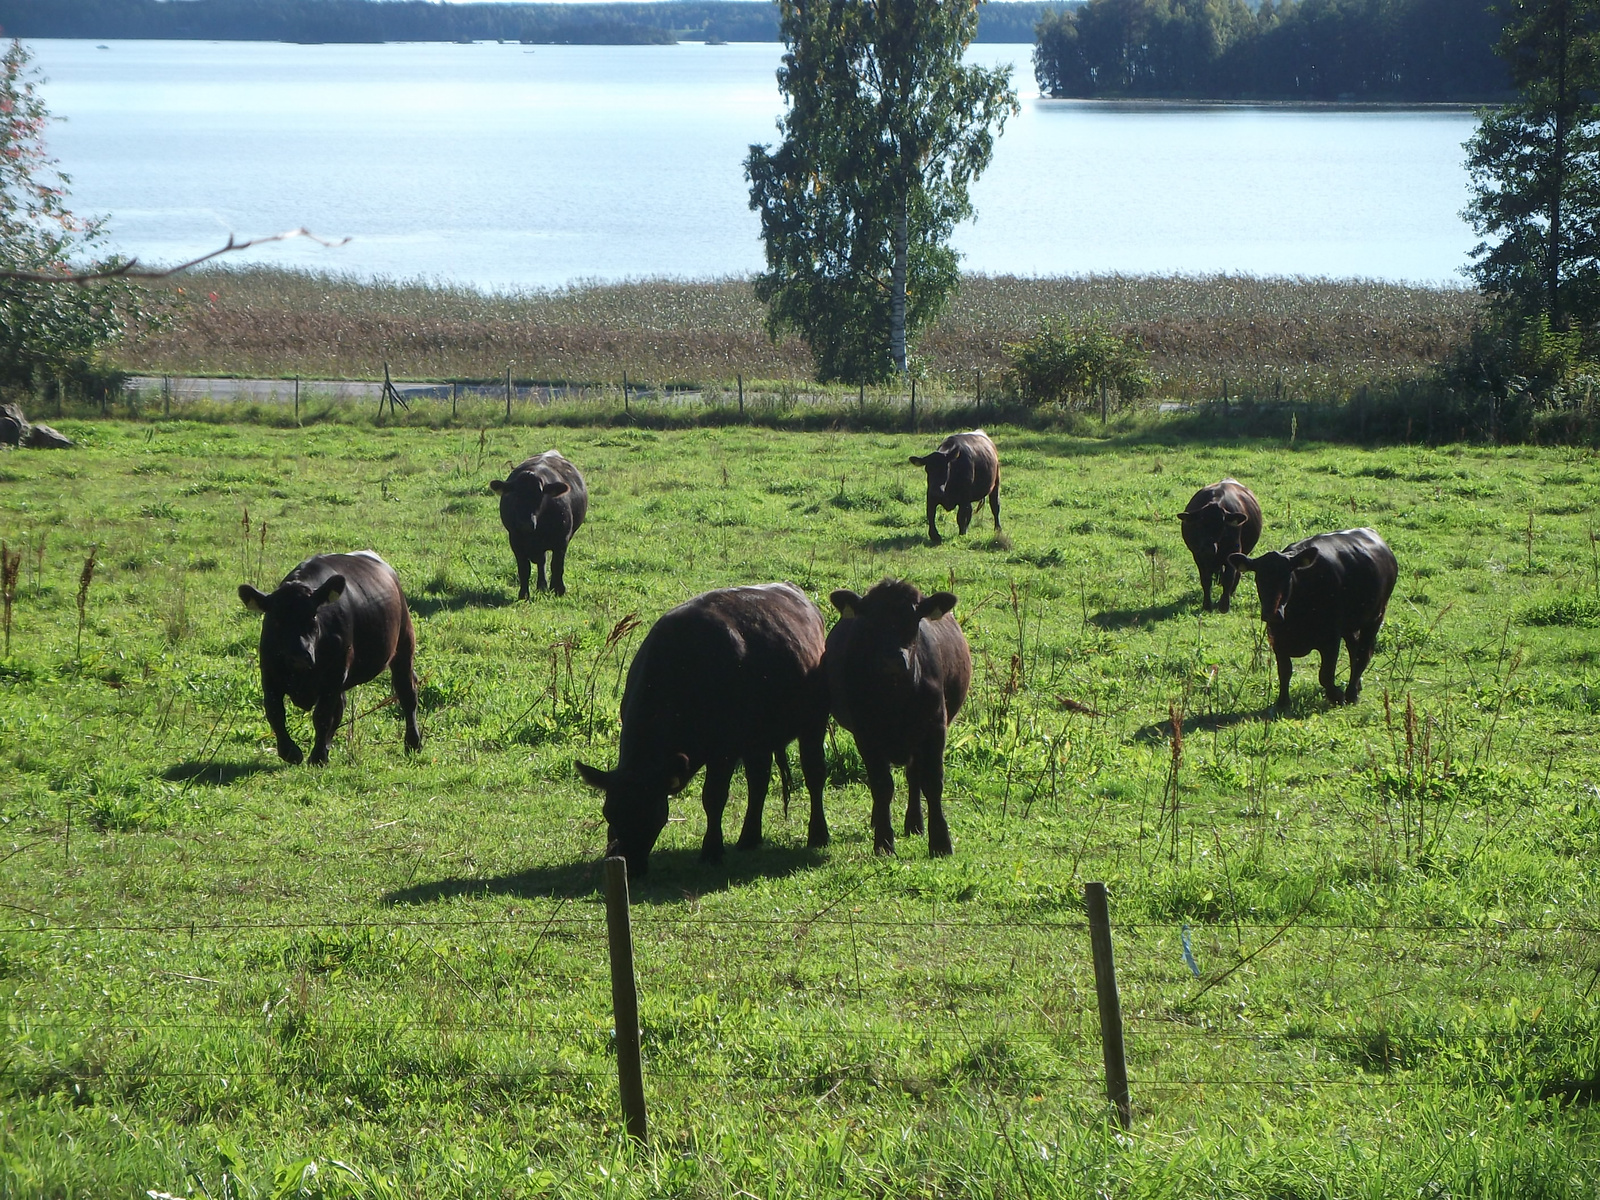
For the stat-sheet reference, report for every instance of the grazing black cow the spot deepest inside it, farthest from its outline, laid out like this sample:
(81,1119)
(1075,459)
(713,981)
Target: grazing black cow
(1222,520)
(732,675)
(542,503)
(1315,593)
(335,621)
(898,671)
(961,472)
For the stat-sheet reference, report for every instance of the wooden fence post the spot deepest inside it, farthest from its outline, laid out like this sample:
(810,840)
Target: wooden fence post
(740,378)
(455,387)
(977,393)
(166,398)
(508,393)
(297,399)
(624,998)
(913,404)
(625,408)
(1105,986)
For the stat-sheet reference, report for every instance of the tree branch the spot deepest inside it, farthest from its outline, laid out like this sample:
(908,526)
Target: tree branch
(132,270)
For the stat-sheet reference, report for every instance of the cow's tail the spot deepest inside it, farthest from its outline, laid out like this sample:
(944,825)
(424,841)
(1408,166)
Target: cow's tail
(786,779)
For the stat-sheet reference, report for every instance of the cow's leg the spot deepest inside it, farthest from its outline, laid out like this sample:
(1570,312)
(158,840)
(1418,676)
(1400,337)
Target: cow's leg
(994,506)
(405,684)
(1205,590)
(1230,583)
(963,517)
(538,559)
(913,798)
(933,529)
(757,779)
(524,565)
(719,773)
(880,780)
(272,701)
(1285,670)
(814,769)
(1361,645)
(558,569)
(325,718)
(1328,674)
(930,776)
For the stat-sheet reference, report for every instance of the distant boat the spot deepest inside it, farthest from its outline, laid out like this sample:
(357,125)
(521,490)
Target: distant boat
(715,41)
(102,47)
(464,42)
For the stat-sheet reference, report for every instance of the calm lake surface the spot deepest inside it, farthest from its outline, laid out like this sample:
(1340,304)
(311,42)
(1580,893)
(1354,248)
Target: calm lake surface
(515,166)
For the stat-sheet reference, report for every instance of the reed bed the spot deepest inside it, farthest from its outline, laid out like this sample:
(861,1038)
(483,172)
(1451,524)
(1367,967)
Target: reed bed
(1208,336)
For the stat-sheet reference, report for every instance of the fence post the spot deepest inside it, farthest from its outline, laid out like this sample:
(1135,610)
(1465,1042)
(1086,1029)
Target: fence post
(166,398)
(740,378)
(508,393)
(624,998)
(454,388)
(625,408)
(913,404)
(861,399)
(1105,986)
(977,393)
(297,399)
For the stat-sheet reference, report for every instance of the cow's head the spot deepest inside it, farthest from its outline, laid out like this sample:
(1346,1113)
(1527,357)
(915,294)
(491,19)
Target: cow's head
(937,465)
(635,806)
(1215,527)
(289,633)
(1275,574)
(523,496)
(893,609)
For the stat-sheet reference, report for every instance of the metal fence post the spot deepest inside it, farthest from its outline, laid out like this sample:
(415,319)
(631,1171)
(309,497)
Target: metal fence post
(624,998)
(1105,986)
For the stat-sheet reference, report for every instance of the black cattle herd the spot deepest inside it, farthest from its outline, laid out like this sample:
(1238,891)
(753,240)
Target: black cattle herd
(737,674)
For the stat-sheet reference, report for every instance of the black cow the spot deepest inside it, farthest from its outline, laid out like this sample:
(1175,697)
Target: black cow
(898,671)
(732,675)
(1315,593)
(1221,520)
(335,621)
(542,503)
(961,472)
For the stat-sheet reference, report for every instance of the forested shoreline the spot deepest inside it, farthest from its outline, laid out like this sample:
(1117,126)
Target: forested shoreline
(1313,50)
(412,20)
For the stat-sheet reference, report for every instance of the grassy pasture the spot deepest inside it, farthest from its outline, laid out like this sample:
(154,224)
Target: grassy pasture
(226,977)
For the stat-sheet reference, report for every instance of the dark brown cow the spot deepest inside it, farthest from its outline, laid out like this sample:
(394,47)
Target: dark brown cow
(1318,592)
(542,503)
(1221,520)
(961,472)
(335,621)
(898,671)
(732,675)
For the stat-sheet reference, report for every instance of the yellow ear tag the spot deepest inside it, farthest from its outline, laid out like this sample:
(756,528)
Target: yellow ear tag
(849,610)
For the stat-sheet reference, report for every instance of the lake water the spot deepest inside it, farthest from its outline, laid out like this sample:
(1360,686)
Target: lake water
(506,166)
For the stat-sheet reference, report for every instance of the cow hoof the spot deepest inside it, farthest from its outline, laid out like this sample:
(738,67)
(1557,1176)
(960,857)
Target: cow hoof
(748,842)
(913,825)
(816,839)
(560,589)
(1223,607)
(940,848)
(413,742)
(883,846)
(319,758)
(290,753)
(711,854)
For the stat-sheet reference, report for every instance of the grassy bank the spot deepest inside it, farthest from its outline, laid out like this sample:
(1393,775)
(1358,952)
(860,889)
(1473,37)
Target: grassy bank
(218,969)
(1208,336)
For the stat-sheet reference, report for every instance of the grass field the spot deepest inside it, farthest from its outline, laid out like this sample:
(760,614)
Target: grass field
(227,977)
(1207,336)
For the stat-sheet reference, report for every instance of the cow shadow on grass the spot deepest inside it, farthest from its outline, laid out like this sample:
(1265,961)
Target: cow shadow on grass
(675,876)
(429,605)
(1161,731)
(1124,618)
(220,774)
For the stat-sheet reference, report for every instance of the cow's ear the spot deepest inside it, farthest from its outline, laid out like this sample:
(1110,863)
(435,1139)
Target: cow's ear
(1235,518)
(920,460)
(497,486)
(253,600)
(556,489)
(935,606)
(1304,559)
(1241,562)
(1185,515)
(593,776)
(845,601)
(677,772)
(332,588)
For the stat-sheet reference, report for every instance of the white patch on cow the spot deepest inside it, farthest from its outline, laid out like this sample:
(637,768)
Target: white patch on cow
(372,554)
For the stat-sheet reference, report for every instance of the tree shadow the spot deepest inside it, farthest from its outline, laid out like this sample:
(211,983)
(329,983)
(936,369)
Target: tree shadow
(427,606)
(219,773)
(1122,618)
(674,877)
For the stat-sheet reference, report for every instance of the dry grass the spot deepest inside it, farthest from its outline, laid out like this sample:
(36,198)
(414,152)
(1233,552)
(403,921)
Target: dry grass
(1272,337)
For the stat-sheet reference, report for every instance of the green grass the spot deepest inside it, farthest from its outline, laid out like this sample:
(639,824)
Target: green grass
(217,969)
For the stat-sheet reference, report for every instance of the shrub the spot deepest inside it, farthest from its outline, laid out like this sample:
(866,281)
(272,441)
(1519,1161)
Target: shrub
(1060,364)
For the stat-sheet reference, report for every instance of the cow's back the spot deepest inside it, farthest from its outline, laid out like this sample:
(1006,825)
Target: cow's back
(371,610)
(1346,588)
(976,469)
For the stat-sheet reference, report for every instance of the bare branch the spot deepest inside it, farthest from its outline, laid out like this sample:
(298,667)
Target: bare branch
(132,270)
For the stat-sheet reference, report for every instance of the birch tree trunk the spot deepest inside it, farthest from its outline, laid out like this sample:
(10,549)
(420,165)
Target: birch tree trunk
(897,283)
